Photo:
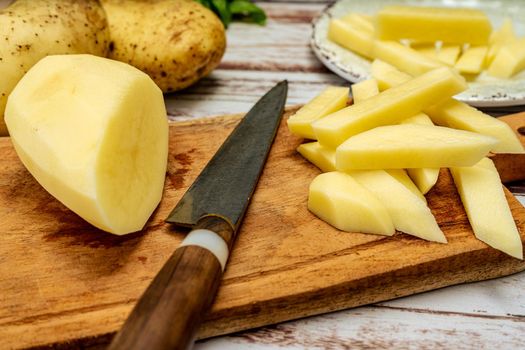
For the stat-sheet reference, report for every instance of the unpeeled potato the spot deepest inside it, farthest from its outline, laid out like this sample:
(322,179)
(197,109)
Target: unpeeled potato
(176,42)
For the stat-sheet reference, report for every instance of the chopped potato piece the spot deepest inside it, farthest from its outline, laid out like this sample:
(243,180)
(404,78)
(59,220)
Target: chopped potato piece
(424,178)
(342,202)
(472,60)
(487,208)
(388,107)
(420,118)
(409,213)
(509,60)
(459,115)
(357,19)
(427,49)
(352,37)
(453,113)
(430,24)
(320,156)
(402,176)
(403,58)
(412,146)
(364,89)
(386,75)
(504,35)
(448,54)
(331,99)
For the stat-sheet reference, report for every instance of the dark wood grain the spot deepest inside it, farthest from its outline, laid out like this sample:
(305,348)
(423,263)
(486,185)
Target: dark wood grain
(171,309)
(285,264)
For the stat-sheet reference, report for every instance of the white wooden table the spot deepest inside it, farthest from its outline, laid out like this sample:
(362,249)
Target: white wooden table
(484,315)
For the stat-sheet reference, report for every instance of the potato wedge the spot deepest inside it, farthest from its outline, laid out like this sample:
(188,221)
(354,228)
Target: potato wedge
(342,202)
(487,208)
(412,146)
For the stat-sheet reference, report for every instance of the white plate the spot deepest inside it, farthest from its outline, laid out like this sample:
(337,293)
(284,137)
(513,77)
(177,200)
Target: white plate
(485,91)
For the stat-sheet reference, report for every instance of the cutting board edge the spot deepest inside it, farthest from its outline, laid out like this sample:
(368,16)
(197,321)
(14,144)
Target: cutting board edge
(281,313)
(234,117)
(507,266)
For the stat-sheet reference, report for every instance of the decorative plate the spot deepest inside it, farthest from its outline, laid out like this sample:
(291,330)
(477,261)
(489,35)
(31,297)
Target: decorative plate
(485,91)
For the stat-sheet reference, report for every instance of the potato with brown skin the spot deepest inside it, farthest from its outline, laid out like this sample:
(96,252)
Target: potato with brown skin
(33,29)
(176,42)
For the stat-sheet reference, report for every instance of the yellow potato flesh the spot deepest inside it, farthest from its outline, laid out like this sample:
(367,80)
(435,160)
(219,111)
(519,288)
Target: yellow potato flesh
(448,54)
(472,60)
(424,178)
(504,35)
(509,60)
(359,20)
(402,176)
(388,107)
(386,75)
(454,114)
(321,157)
(342,202)
(427,49)
(333,98)
(94,133)
(364,89)
(33,29)
(403,58)
(409,213)
(458,115)
(428,24)
(352,37)
(412,146)
(487,208)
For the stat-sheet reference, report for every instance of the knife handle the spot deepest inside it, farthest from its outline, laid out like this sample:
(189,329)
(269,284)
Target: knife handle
(171,309)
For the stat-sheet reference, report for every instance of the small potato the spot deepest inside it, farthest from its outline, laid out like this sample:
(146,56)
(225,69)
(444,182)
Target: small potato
(176,42)
(33,29)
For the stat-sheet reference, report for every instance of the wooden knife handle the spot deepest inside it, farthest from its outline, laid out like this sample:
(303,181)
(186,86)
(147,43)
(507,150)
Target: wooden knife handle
(171,309)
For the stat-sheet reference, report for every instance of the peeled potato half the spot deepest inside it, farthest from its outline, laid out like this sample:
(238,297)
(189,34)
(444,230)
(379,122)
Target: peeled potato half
(94,134)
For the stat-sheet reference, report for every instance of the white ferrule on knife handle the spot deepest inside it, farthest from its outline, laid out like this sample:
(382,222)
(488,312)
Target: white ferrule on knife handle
(209,240)
(169,312)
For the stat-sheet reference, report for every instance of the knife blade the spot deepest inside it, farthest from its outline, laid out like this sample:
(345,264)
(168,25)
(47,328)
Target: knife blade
(169,312)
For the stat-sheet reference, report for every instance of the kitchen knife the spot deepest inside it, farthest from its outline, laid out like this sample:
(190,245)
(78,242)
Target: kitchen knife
(169,312)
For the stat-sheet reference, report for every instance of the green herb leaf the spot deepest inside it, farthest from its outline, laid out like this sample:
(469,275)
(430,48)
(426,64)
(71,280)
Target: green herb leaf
(248,11)
(205,3)
(222,8)
(242,10)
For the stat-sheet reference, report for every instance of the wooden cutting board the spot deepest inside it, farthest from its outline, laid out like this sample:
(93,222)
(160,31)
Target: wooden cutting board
(65,283)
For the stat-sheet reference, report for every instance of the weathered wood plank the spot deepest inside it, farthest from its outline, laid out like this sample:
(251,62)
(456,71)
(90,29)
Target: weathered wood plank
(281,45)
(226,91)
(496,298)
(382,328)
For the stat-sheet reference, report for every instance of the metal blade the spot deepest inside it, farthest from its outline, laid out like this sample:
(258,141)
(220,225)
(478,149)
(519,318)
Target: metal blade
(226,184)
